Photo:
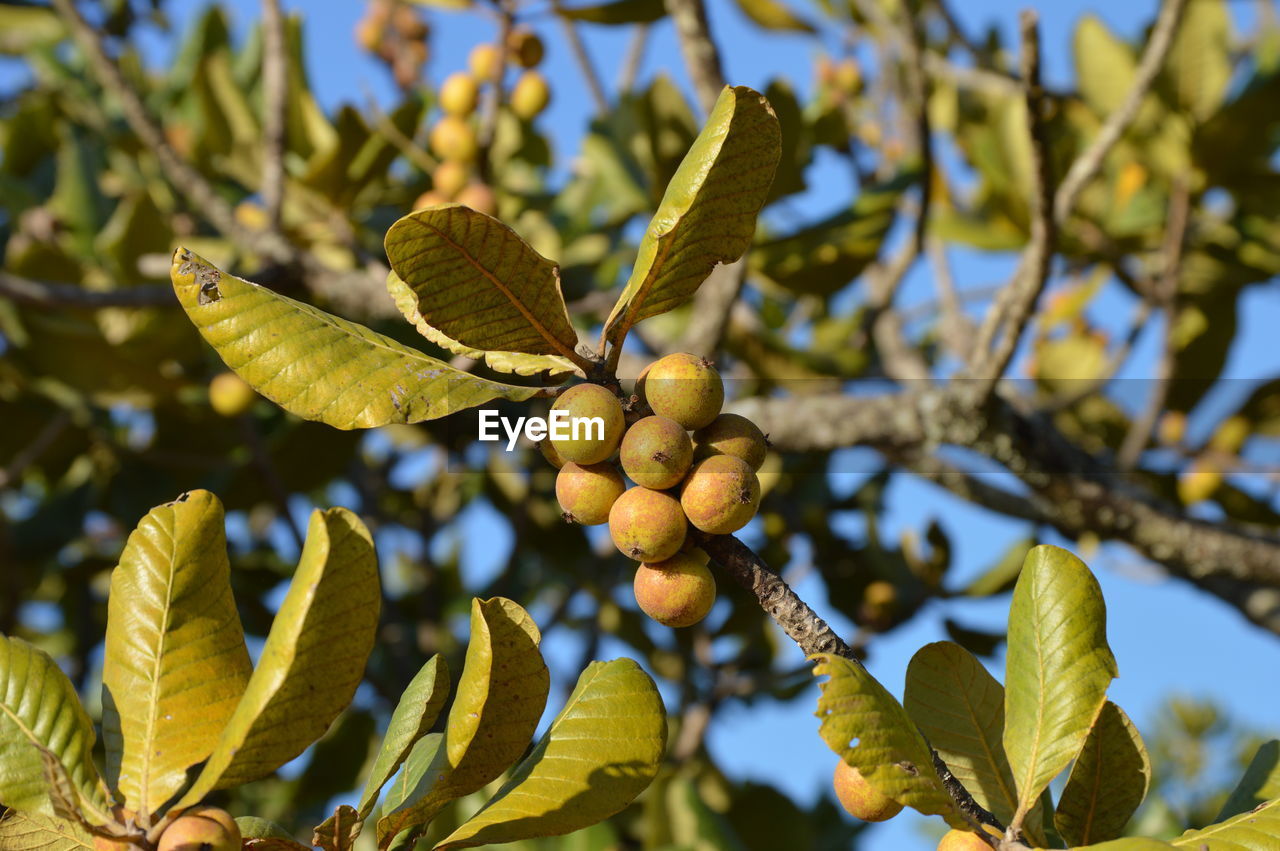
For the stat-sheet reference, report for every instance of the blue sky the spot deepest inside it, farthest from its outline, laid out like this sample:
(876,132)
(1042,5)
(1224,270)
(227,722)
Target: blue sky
(1167,638)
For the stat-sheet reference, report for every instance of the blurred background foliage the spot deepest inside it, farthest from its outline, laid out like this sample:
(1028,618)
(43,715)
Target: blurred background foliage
(104,402)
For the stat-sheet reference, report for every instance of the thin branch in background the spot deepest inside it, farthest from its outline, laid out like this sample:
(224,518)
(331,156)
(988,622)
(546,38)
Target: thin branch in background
(28,455)
(701,57)
(1014,305)
(275,92)
(46,294)
(408,148)
(1139,433)
(497,91)
(583,58)
(633,59)
(1090,161)
(955,326)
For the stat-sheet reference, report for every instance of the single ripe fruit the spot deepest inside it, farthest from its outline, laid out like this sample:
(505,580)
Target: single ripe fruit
(483,62)
(962,840)
(525,47)
(647,525)
(586,493)
(459,94)
(731,434)
(685,388)
(479,197)
(201,829)
(656,453)
(721,495)
(229,395)
(593,421)
(676,592)
(453,139)
(530,95)
(450,177)
(860,798)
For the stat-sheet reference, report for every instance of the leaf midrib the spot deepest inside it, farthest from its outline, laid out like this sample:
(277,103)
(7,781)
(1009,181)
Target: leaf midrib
(153,702)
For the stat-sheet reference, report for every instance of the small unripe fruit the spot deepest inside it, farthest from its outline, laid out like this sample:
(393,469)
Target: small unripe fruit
(732,434)
(483,62)
(586,493)
(1172,428)
(962,840)
(449,178)
(201,829)
(1199,481)
(230,395)
(530,95)
(453,139)
(685,388)
(459,94)
(480,198)
(525,47)
(647,525)
(656,453)
(721,495)
(859,798)
(677,592)
(583,403)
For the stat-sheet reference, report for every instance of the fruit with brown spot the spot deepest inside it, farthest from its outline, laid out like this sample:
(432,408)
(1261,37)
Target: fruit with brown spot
(677,592)
(656,452)
(731,434)
(524,46)
(859,798)
(587,492)
(647,525)
(720,495)
(685,388)
(593,423)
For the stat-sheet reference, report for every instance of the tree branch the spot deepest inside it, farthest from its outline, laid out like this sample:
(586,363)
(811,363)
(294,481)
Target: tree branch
(275,91)
(583,58)
(46,294)
(701,58)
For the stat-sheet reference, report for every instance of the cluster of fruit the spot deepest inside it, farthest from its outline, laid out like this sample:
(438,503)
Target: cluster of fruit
(862,800)
(197,829)
(396,34)
(707,481)
(453,139)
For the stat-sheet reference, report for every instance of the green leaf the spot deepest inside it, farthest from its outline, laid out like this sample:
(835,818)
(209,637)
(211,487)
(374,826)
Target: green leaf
(500,697)
(25,831)
(601,751)
(416,766)
(479,283)
(889,751)
(1058,668)
(417,710)
(1003,575)
(313,659)
(1260,783)
(318,366)
(774,15)
(1255,830)
(1199,66)
(39,709)
(516,363)
(959,708)
(1105,65)
(708,214)
(617,12)
(24,29)
(175,663)
(1107,783)
(260,828)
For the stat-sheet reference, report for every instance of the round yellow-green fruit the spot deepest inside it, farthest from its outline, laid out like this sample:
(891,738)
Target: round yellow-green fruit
(647,525)
(677,592)
(656,452)
(859,798)
(453,139)
(230,395)
(587,492)
(459,94)
(450,177)
(479,197)
(963,840)
(720,495)
(483,62)
(530,95)
(201,829)
(582,440)
(731,434)
(685,388)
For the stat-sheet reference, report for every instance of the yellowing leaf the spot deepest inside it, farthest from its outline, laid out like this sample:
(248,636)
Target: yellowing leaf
(479,283)
(25,831)
(869,729)
(500,697)
(1260,783)
(417,710)
(176,662)
(516,363)
(602,750)
(1058,668)
(1199,65)
(1107,783)
(708,214)
(1255,830)
(773,15)
(318,366)
(39,709)
(1105,65)
(313,659)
